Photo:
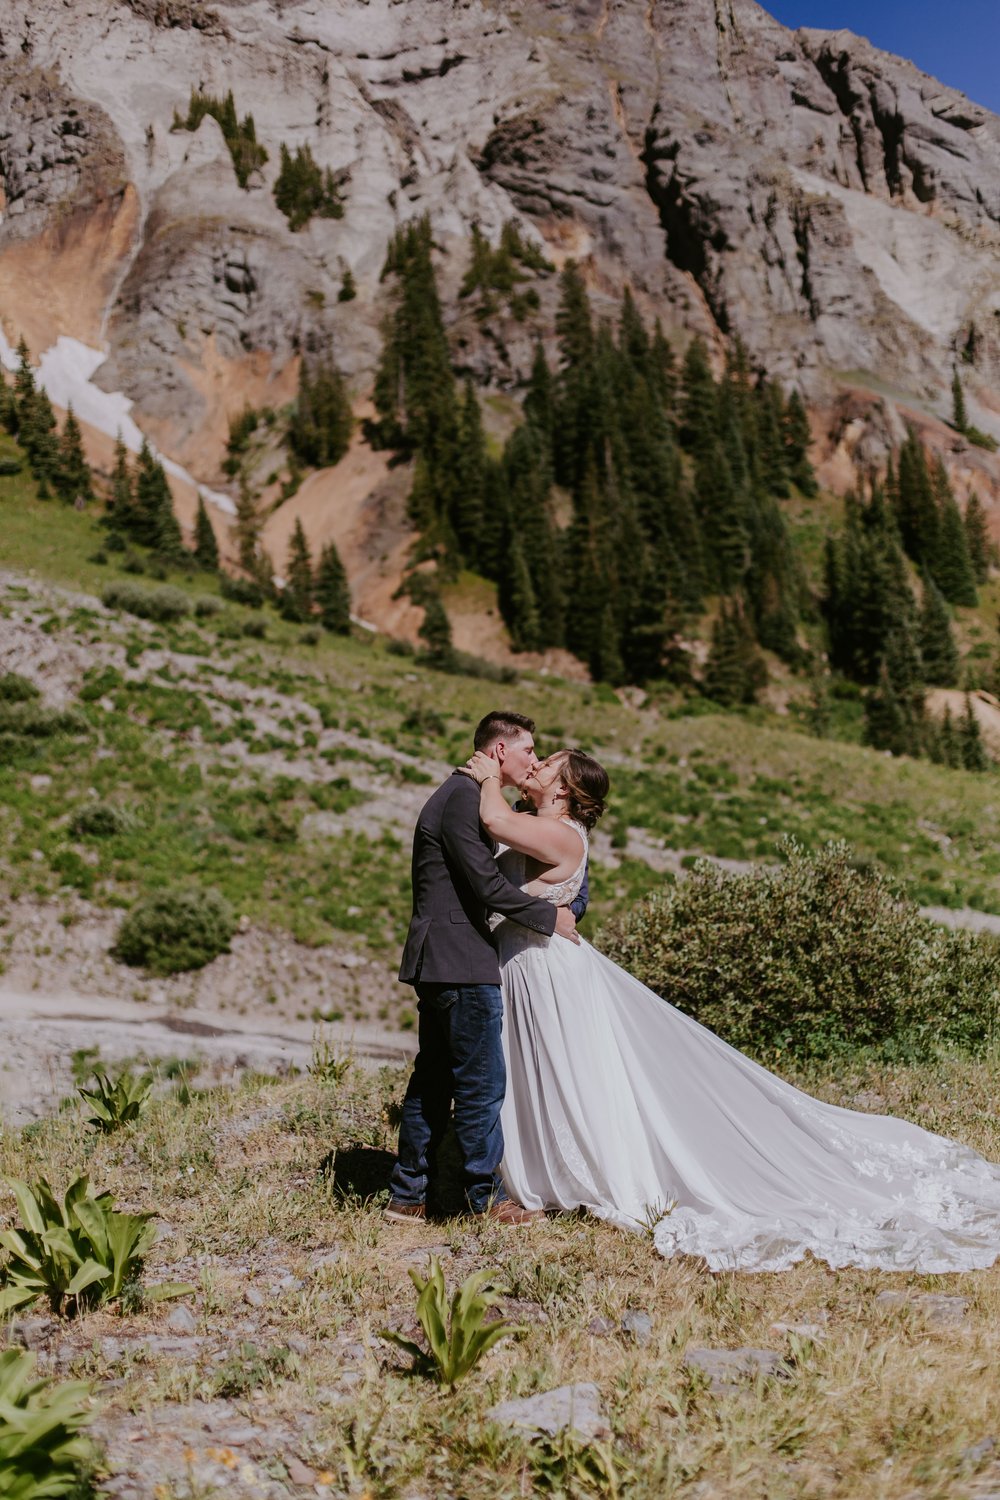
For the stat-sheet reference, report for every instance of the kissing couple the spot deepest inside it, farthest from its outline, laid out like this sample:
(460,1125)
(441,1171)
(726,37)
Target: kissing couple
(574,1087)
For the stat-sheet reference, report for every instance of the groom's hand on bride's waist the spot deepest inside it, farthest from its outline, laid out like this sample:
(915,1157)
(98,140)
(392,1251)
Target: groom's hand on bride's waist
(566,924)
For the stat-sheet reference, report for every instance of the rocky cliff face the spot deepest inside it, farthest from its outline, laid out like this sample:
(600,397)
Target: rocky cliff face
(834,206)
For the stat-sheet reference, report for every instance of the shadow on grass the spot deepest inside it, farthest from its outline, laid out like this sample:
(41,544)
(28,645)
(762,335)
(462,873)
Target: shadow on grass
(360,1174)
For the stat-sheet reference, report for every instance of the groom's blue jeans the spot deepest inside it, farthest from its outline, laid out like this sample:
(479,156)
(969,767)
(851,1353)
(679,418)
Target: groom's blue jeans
(460,1061)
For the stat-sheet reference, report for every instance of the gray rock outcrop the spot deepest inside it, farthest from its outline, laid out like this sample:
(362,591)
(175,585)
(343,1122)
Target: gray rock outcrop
(831,204)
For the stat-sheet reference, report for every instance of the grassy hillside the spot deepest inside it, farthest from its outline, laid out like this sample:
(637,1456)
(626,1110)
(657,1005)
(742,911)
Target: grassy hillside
(287,773)
(273,1379)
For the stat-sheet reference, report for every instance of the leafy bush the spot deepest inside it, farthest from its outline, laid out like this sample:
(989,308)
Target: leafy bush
(161,605)
(31,720)
(79,1252)
(116,1104)
(456,1345)
(42,1450)
(17,689)
(207,605)
(102,820)
(811,958)
(241,591)
(171,931)
(9,467)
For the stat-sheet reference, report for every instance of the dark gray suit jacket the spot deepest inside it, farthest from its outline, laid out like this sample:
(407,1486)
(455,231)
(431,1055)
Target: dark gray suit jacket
(455,883)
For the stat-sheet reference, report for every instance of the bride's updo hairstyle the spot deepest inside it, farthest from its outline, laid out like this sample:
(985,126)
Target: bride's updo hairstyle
(586,782)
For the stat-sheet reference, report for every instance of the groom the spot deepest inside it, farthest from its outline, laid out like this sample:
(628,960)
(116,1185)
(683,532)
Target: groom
(450,960)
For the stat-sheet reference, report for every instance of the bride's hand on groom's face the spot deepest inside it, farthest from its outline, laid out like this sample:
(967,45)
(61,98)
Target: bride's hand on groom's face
(481,766)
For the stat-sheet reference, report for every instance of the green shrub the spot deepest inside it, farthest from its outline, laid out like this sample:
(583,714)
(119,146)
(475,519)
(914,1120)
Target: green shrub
(811,958)
(102,820)
(455,1345)
(32,720)
(9,467)
(171,931)
(17,689)
(241,591)
(77,1251)
(207,605)
(116,1104)
(42,1449)
(160,605)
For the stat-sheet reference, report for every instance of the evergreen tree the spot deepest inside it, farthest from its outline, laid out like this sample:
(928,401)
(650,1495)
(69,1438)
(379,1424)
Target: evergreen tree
(959,416)
(72,479)
(414,386)
(206,548)
(973,752)
(468,494)
(332,593)
(297,594)
(916,505)
(121,500)
(435,631)
(247,528)
(938,650)
(735,670)
(304,190)
(948,741)
(952,566)
(8,406)
(37,434)
(699,413)
(887,725)
(797,441)
(517,600)
(320,430)
(981,549)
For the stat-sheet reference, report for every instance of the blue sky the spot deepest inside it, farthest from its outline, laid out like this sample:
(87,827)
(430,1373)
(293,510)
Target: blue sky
(958,40)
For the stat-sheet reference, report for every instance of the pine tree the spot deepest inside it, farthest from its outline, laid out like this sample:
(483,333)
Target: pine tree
(332,593)
(24,380)
(959,415)
(8,406)
(917,509)
(72,479)
(981,549)
(435,631)
(938,650)
(887,726)
(468,494)
(320,430)
(735,671)
(797,442)
(970,739)
(517,600)
(699,409)
(247,528)
(952,565)
(121,501)
(206,548)
(37,434)
(297,594)
(950,747)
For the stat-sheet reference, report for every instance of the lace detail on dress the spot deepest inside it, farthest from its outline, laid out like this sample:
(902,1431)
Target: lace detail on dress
(512,863)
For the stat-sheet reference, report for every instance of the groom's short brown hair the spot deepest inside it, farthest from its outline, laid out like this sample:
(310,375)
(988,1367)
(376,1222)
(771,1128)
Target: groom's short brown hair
(501,726)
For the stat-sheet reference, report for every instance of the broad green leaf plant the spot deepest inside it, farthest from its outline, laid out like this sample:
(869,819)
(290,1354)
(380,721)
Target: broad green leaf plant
(116,1104)
(77,1251)
(42,1448)
(455,1344)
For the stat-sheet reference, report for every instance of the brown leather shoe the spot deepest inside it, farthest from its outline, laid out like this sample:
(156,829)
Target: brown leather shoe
(398,1212)
(509,1212)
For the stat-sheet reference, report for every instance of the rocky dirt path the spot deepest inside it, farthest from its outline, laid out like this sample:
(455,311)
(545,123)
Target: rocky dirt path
(39,1035)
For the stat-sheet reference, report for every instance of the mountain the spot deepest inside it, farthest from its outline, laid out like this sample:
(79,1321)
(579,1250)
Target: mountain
(832,205)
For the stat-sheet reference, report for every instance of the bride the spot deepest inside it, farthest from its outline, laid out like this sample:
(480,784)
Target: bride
(620,1104)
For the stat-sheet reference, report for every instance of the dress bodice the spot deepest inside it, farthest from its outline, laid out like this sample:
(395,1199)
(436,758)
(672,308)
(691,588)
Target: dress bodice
(513,865)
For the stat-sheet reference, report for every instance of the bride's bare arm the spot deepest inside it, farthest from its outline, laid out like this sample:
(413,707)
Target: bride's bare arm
(545,839)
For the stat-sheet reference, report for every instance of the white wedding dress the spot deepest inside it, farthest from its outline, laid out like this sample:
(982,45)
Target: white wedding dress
(620,1104)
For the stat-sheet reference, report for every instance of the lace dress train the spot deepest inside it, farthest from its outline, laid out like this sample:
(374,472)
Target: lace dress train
(619,1103)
